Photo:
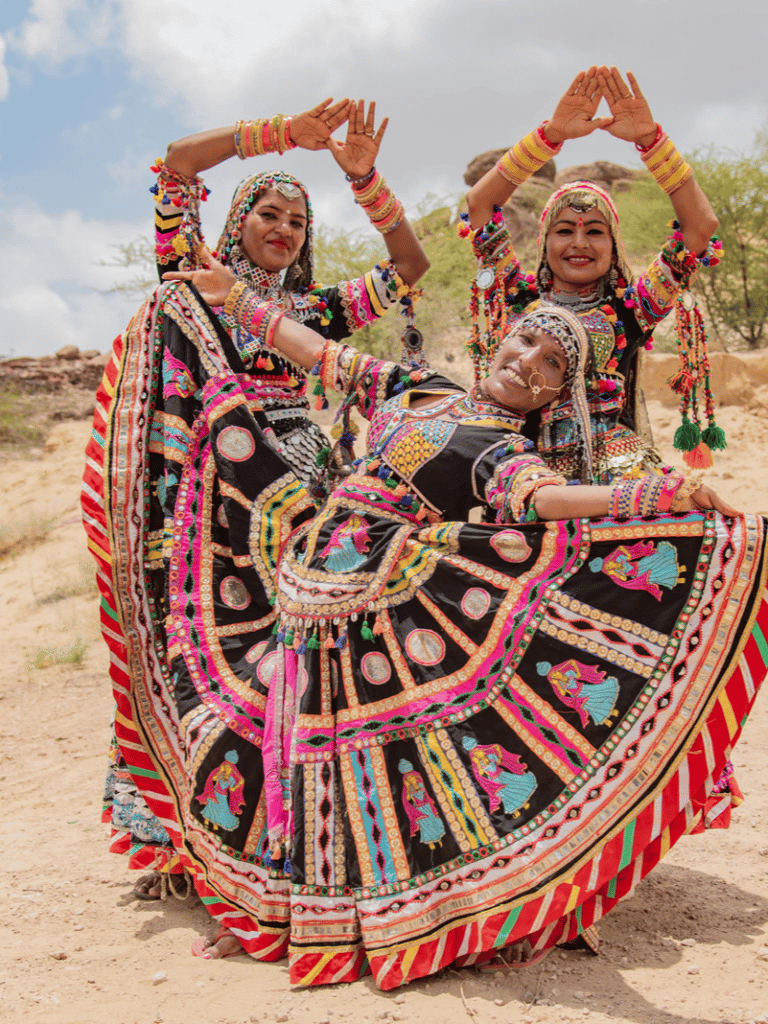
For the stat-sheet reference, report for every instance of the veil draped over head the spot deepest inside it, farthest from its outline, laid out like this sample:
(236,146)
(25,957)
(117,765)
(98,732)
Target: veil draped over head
(582,196)
(301,272)
(573,337)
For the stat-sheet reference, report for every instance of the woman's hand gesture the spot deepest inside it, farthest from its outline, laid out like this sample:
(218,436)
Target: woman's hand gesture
(313,128)
(574,115)
(213,280)
(357,154)
(632,118)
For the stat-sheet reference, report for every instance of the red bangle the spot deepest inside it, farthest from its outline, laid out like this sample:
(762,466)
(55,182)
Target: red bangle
(657,136)
(554,146)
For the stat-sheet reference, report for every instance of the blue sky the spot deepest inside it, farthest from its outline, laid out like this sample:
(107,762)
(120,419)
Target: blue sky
(91,91)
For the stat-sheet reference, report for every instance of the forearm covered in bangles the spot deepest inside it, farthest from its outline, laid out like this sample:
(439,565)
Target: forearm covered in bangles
(252,314)
(374,195)
(527,156)
(666,163)
(648,495)
(265,135)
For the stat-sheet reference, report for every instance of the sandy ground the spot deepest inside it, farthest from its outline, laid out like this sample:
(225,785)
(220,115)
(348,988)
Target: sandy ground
(75,947)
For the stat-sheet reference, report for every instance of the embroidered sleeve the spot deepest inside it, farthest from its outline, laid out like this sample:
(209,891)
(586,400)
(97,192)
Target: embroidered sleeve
(368,381)
(492,247)
(519,473)
(655,291)
(177,218)
(499,286)
(350,305)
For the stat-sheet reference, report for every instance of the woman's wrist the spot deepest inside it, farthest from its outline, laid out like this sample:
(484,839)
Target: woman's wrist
(265,135)
(233,296)
(648,141)
(527,156)
(666,164)
(377,199)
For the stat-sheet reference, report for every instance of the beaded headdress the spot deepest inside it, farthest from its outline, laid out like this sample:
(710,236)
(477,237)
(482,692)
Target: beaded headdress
(300,273)
(582,196)
(572,336)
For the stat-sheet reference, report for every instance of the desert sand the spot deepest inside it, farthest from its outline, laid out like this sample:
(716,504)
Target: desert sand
(691,946)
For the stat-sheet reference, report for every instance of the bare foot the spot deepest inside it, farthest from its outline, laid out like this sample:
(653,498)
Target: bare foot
(517,953)
(225,944)
(148,887)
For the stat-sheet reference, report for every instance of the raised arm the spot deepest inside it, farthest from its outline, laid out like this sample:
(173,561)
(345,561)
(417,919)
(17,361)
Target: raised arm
(356,156)
(633,121)
(573,118)
(310,130)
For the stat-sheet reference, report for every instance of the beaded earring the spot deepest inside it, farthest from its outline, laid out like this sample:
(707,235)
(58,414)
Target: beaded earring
(613,276)
(544,276)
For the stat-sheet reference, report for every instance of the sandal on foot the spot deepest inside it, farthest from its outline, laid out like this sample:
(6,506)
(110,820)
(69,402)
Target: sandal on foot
(179,886)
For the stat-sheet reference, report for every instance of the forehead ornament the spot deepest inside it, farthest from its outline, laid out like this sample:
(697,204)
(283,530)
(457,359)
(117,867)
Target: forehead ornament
(288,190)
(581,202)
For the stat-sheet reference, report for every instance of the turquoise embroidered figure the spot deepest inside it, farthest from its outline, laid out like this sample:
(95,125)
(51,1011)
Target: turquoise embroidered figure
(642,566)
(420,808)
(584,688)
(347,547)
(503,776)
(223,794)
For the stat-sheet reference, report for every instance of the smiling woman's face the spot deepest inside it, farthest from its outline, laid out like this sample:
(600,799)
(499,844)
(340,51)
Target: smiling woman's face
(579,249)
(529,370)
(274,231)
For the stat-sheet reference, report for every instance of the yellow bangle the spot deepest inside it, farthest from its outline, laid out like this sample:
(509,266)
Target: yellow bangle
(667,165)
(235,292)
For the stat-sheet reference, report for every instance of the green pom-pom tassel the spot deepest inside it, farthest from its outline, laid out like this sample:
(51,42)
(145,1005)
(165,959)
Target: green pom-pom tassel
(530,515)
(321,459)
(714,437)
(313,643)
(687,436)
(366,632)
(318,389)
(275,628)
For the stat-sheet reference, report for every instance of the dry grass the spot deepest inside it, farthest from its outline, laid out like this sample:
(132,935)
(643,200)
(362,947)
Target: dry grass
(67,654)
(17,535)
(81,584)
(23,422)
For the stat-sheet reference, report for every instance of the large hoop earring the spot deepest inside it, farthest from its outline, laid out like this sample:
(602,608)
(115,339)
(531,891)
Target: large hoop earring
(544,276)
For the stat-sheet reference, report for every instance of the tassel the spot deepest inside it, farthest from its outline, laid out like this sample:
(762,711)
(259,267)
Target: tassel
(329,642)
(341,643)
(313,643)
(699,457)
(714,438)
(366,633)
(681,382)
(378,629)
(321,459)
(687,436)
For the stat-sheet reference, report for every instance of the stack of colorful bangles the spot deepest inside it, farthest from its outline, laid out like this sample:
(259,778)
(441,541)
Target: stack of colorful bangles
(650,494)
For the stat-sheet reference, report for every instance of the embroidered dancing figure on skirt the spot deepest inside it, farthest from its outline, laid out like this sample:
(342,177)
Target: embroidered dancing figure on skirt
(503,776)
(420,807)
(223,794)
(642,566)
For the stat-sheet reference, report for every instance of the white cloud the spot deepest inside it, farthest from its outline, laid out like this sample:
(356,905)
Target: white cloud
(57,30)
(50,293)
(4,82)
